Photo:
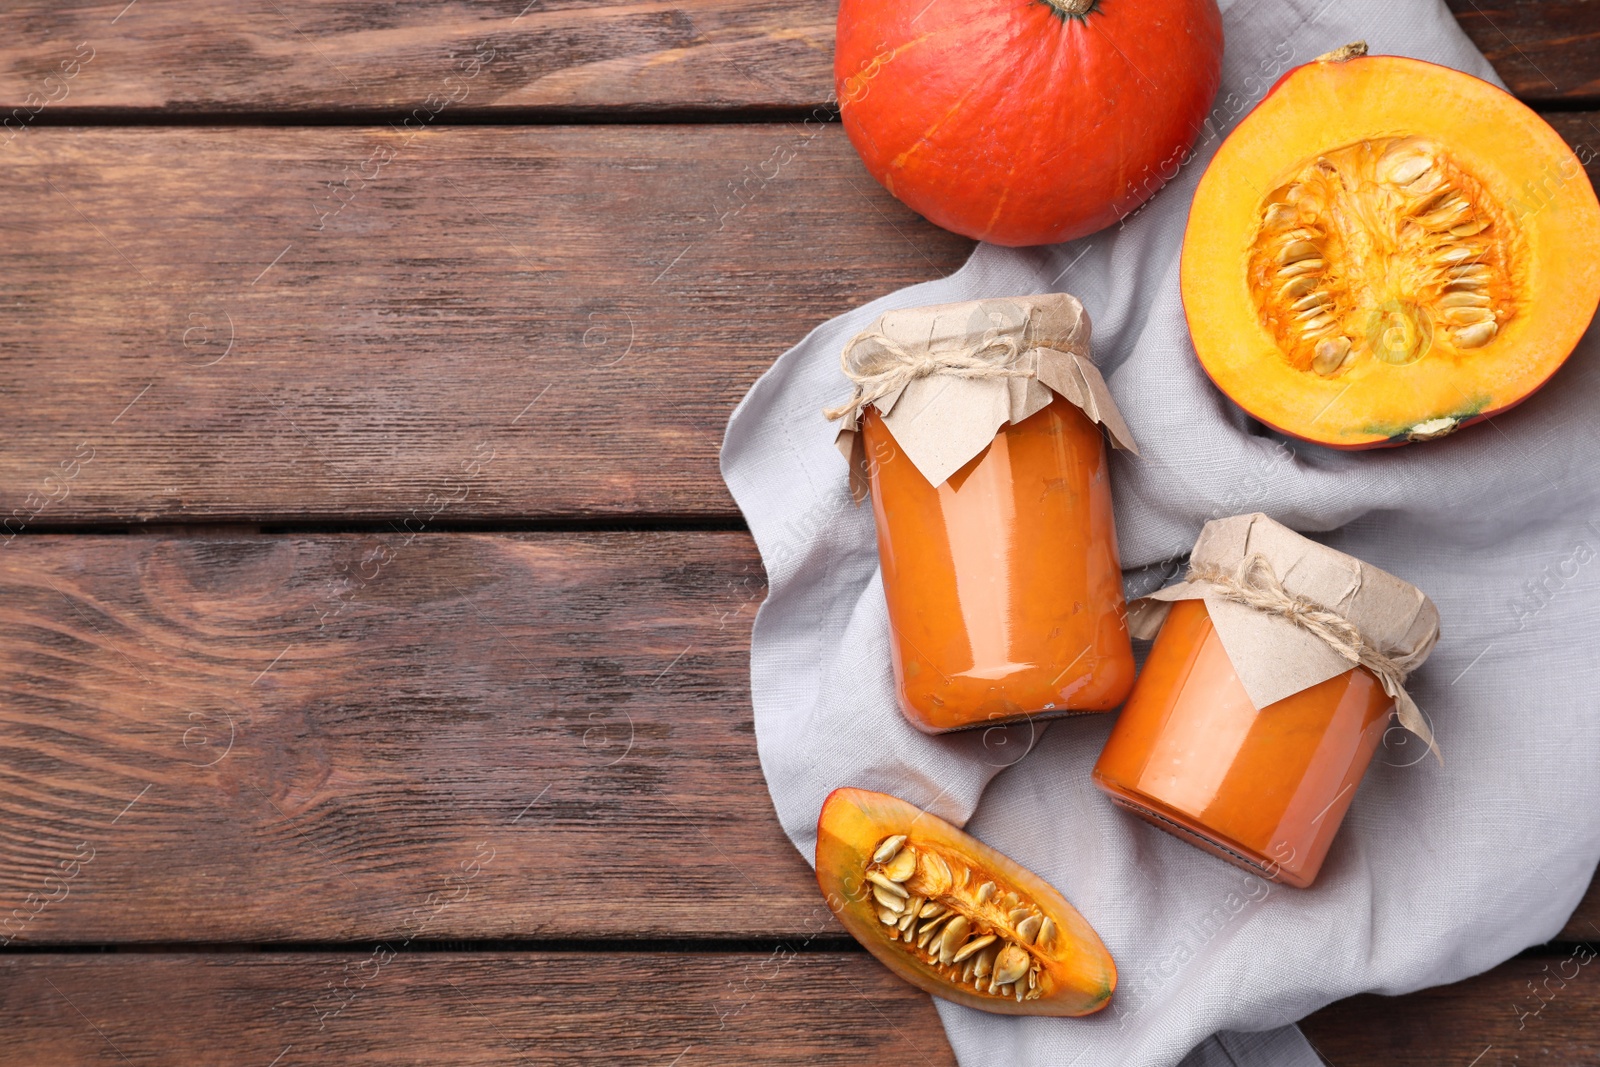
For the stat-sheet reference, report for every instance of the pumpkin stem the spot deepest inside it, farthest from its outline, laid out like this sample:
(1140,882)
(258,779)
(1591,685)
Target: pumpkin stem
(1073,9)
(1339,55)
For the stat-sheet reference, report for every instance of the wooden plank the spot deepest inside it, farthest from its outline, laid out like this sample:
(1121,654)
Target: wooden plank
(431,737)
(384,1007)
(1585,922)
(1546,51)
(1543,1009)
(500,323)
(447,1009)
(226,56)
(347,737)
(520,57)
(1582,131)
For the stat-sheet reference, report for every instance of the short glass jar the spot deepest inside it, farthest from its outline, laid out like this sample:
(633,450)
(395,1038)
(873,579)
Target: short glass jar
(1263,784)
(1003,586)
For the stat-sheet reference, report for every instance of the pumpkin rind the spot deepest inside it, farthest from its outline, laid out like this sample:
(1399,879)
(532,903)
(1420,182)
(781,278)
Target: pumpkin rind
(1013,122)
(1531,184)
(1076,975)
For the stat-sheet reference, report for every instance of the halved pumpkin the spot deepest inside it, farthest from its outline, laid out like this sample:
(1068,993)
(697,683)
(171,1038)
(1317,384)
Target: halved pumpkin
(1386,250)
(951,915)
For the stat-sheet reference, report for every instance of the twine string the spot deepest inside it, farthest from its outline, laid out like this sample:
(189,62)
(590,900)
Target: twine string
(884,367)
(1254,585)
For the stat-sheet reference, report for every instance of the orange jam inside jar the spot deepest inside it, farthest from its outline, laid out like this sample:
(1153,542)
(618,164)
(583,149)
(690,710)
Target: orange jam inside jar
(1264,789)
(1003,586)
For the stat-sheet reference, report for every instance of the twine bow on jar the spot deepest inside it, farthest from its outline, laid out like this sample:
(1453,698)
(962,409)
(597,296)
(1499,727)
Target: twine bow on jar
(881,367)
(1253,584)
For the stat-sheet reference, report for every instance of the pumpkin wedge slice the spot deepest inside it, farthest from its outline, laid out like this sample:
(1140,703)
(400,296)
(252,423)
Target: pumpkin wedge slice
(1386,250)
(951,915)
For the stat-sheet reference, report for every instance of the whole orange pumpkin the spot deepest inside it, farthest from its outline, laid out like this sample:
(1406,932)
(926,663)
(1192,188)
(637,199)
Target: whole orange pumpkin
(1025,122)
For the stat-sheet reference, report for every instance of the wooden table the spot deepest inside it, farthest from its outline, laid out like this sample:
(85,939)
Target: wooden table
(376,632)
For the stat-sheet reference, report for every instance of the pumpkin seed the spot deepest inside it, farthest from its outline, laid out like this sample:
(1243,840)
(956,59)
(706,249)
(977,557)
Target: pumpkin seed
(887,917)
(903,866)
(1295,251)
(936,877)
(1316,325)
(1402,168)
(889,848)
(1466,316)
(1295,288)
(910,915)
(878,879)
(1449,214)
(930,909)
(1427,431)
(1011,964)
(1047,930)
(1280,216)
(888,900)
(1305,266)
(1028,929)
(985,961)
(1466,299)
(1428,182)
(973,947)
(985,892)
(1476,336)
(955,932)
(1331,354)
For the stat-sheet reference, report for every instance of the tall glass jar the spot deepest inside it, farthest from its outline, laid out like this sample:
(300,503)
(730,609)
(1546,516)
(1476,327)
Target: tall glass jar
(1003,586)
(986,426)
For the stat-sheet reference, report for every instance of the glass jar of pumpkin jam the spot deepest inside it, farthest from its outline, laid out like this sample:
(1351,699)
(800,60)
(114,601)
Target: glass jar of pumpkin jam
(1263,789)
(1003,586)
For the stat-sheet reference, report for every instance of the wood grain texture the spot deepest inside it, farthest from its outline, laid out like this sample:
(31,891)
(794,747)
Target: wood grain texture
(328,738)
(348,737)
(508,55)
(291,1010)
(500,323)
(1531,1010)
(519,56)
(1546,51)
(439,1008)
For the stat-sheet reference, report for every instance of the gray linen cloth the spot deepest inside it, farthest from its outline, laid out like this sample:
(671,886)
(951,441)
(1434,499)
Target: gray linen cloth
(1439,872)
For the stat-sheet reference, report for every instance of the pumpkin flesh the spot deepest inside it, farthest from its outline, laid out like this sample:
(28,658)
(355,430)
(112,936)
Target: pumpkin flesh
(952,916)
(1386,250)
